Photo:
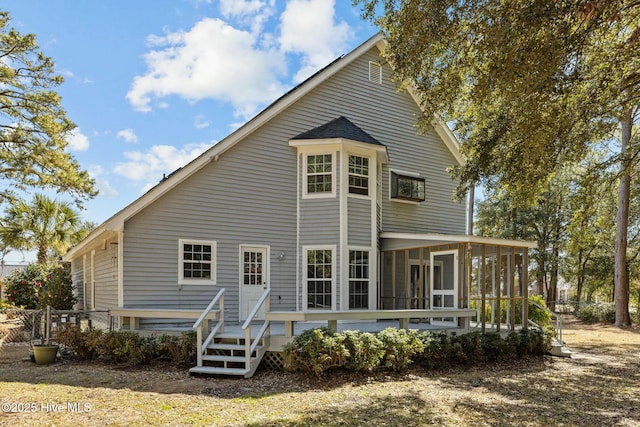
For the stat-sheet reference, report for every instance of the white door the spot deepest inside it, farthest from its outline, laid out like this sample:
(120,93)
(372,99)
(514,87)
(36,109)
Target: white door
(444,285)
(254,278)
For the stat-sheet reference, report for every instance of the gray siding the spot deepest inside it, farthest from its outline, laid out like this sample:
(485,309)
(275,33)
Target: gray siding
(106,274)
(78,283)
(359,222)
(248,196)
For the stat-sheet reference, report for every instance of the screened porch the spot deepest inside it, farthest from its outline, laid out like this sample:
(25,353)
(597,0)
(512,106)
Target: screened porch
(452,272)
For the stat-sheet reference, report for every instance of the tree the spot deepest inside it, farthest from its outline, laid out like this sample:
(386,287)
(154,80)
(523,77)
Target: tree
(33,125)
(44,224)
(529,85)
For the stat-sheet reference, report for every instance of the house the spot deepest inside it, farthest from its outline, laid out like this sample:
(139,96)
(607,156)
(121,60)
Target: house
(327,206)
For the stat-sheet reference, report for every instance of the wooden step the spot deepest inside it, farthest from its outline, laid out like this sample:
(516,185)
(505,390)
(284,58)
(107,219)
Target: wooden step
(210,370)
(223,358)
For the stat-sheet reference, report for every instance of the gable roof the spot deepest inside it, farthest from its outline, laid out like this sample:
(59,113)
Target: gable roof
(339,128)
(116,222)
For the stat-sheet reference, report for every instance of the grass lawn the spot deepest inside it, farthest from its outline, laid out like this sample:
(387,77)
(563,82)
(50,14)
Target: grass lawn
(598,386)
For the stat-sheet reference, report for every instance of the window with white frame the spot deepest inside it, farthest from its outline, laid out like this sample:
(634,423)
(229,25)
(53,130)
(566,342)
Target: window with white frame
(407,187)
(358,175)
(319,278)
(358,279)
(197,262)
(319,174)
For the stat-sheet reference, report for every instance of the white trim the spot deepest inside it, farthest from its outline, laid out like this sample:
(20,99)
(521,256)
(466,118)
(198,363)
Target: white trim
(85,284)
(371,161)
(334,254)
(374,253)
(120,269)
(334,171)
(214,256)
(409,175)
(299,303)
(396,241)
(92,278)
(266,272)
(343,283)
(372,274)
(443,292)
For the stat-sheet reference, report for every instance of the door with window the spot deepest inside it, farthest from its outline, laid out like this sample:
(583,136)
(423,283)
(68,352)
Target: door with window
(254,279)
(444,285)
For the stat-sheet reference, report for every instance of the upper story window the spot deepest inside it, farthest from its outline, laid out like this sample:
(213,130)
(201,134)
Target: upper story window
(319,174)
(197,262)
(405,187)
(358,175)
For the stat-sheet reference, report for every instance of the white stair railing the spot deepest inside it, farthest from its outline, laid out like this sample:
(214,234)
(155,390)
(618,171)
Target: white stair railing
(263,332)
(203,324)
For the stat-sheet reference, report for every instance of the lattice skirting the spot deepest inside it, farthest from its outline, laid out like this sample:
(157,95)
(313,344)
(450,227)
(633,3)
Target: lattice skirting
(272,361)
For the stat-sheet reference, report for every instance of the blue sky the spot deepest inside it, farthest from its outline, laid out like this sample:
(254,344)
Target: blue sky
(152,84)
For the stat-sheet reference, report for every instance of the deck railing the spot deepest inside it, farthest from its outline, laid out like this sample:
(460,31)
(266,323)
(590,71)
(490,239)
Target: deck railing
(203,323)
(263,332)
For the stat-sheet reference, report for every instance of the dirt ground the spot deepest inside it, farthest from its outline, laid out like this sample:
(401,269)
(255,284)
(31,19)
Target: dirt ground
(598,386)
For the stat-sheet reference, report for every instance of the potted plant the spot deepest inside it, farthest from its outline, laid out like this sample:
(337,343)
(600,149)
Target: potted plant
(45,353)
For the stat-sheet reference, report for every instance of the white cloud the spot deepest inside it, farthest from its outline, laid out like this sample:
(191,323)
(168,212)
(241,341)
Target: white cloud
(128,135)
(201,122)
(251,13)
(149,167)
(102,184)
(309,28)
(78,141)
(212,60)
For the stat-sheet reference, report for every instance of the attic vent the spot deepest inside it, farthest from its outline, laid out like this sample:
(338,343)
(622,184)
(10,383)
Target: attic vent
(375,72)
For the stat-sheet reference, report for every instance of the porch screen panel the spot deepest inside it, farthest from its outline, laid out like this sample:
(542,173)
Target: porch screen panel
(358,279)
(319,278)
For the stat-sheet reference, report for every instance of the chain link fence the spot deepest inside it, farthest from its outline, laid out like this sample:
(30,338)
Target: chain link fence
(27,327)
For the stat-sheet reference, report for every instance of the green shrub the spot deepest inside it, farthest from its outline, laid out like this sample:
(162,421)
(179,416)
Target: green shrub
(85,344)
(437,349)
(40,285)
(315,350)
(467,348)
(400,346)
(493,347)
(179,349)
(57,291)
(128,346)
(597,313)
(365,350)
(537,342)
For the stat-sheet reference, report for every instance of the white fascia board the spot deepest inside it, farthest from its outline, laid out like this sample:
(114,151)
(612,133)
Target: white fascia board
(407,240)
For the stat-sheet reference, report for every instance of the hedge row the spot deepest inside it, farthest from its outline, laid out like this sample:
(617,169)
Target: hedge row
(318,350)
(128,346)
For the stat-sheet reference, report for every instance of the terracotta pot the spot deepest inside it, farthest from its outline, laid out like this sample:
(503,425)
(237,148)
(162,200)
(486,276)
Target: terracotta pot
(45,354)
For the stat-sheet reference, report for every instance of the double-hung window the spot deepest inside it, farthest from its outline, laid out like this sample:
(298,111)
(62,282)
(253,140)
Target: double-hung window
(358,279)
(319,278)
(406,187)
(319,174)
(358,175)
(197,262)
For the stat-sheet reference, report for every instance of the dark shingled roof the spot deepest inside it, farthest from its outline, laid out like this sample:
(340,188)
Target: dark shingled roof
(339,128)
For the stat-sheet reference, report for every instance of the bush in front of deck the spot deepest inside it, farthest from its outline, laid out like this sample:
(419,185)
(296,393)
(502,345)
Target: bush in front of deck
(318,350)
